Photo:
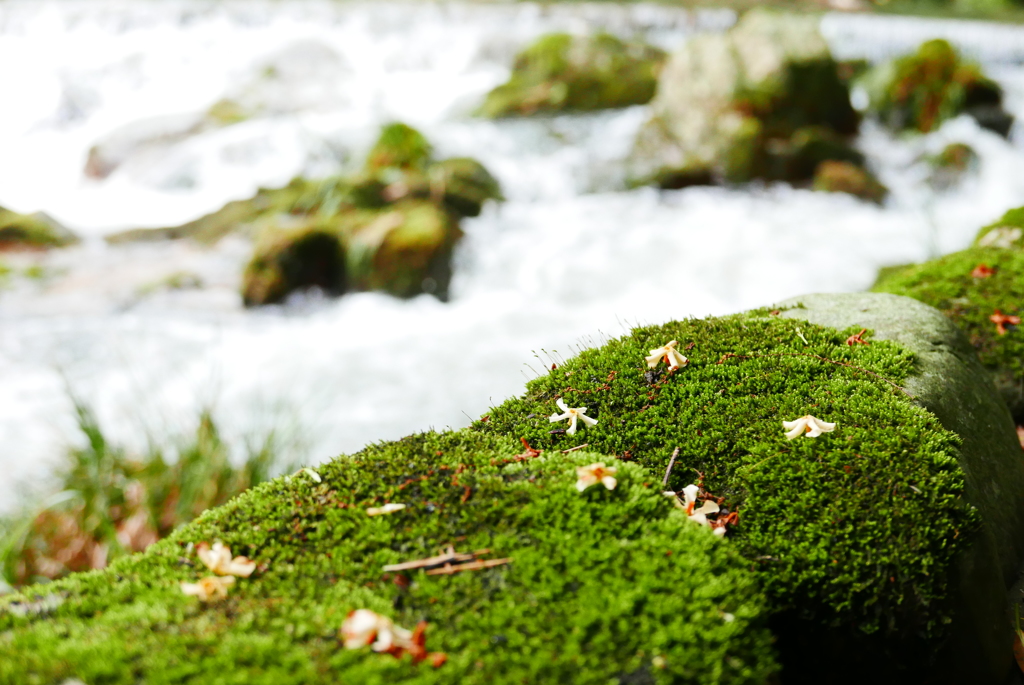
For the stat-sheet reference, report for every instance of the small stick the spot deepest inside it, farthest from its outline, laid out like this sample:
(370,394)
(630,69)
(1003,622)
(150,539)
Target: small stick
(448,569)
(578,447)
(671,463)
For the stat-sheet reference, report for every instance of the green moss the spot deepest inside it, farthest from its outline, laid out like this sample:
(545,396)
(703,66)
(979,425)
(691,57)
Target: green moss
(560,72)
(969,300)
(920,91)
(399,146)
(856,528)
(32,231)
(1006,232)
(603,586)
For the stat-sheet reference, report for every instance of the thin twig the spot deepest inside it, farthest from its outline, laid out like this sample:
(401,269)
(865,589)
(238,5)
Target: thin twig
(671,463)
(578,447)
(815,356)
(448,569)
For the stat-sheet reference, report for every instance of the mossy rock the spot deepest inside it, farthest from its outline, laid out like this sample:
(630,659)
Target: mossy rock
(1006,232)
(289,258)
(764,100)
(560,72)
(917,92)
(404,250)
(32,231)
(846,177)
(970,295)
(603,586)
(857,545)
(858,536)
(950,165)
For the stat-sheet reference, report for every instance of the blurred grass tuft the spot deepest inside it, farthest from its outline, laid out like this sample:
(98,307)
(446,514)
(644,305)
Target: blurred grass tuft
(113,503)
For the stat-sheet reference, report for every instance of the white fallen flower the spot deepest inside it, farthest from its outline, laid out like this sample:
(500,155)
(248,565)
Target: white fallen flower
(218,559)
(389,508)
(699,515)
(669,353)
(209,588)
(363,627)
(572,414)
(595,473)
(807,424)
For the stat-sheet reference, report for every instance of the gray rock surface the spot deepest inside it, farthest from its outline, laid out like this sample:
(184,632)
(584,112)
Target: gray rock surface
(952,384)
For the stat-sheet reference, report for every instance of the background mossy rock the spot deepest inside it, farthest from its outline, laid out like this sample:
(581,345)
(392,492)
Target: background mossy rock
(845,177)
(32,231)
(603,586)
(970,296)
(291,256)
(951,165)
(745,104)
(856,536)
(950,383)
(560,72)
(919,91)
(1006,232)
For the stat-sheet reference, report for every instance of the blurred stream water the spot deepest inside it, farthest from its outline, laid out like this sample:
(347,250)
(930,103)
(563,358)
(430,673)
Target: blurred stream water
(568,261)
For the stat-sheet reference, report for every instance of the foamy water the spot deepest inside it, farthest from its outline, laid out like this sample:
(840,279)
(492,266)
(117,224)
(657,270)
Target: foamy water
(570,259)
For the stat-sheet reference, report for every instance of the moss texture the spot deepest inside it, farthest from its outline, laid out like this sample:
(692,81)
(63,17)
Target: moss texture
(970,296)
(560,72)
(919,91)
(32,231)
(831,525)
(604,586)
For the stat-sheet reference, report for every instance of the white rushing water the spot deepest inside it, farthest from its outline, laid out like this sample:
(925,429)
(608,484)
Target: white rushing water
(570,259)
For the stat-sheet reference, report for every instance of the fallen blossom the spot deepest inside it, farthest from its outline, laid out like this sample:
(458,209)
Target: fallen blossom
(389,508)
(807,424)
(669,353)
(1000,320)
(209,588)
(218,559)
(595,473)
(699,514)
(982,271)
(1004,236)
(572,414)
(363,628)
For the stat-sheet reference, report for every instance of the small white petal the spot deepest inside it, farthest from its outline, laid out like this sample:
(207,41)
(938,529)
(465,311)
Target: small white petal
(690,493)
(589,421)
(561,404)
(609,482)
(709,507)
(312,474)
(719,532)
(699,518)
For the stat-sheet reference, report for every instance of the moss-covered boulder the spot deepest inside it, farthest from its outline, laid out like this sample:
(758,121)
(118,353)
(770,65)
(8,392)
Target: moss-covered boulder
(979,289)
(880,545)
(560,72)
(32,231)
(917,92)
(860,535)
(390,227)
(833,176)
(593,587)
(763,100)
